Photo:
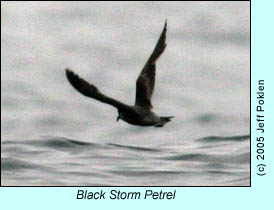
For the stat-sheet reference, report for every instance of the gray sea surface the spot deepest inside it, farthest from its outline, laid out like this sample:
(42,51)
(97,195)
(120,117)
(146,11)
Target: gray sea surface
(53,136)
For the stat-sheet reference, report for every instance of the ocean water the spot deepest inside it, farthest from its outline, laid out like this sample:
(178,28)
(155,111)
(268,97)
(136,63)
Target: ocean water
(53,136)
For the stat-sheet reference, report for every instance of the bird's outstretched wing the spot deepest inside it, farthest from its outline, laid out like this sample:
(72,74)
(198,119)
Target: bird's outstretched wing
(146,80)
(90,90)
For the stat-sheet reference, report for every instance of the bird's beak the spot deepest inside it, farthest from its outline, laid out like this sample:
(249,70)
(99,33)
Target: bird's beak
(118,118)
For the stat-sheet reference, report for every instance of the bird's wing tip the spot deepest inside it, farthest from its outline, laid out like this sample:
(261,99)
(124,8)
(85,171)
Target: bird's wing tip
(70,73)
(68,70)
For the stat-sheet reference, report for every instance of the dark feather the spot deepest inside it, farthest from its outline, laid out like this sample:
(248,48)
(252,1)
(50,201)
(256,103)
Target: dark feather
(90,90)
(146,80)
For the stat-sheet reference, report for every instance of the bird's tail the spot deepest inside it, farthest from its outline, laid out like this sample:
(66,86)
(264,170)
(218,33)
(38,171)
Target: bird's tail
(166,119)
(163,121)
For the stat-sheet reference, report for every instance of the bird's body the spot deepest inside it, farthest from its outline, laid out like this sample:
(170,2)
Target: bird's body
(141,117)
(139,114)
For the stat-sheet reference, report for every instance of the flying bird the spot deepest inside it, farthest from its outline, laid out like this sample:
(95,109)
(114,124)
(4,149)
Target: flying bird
(141,113)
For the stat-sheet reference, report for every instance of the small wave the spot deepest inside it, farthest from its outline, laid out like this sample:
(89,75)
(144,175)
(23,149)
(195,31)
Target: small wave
(13,164)
(190,157)
(57,143)
(212,158)
(224,138)
(145,149)
(64,143)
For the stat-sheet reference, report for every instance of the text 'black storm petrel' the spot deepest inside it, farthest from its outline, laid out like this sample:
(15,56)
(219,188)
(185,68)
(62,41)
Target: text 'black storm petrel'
(139,114)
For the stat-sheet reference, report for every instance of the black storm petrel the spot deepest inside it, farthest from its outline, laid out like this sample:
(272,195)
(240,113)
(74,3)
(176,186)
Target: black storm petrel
(139,114)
